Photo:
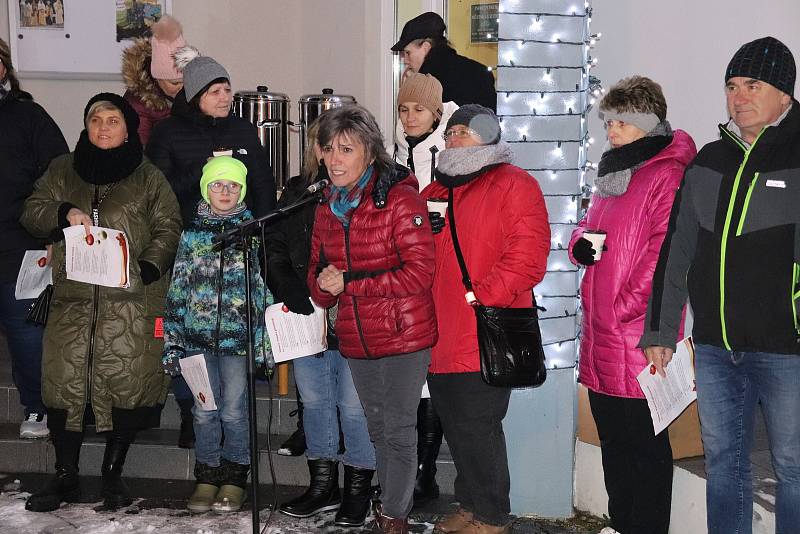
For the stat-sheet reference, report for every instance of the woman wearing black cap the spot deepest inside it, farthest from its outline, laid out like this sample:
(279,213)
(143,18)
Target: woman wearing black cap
(424,49)
(101,359)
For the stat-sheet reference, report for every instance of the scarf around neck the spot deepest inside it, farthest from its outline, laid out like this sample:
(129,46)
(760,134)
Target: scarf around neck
(459,166)
(617,165)
(342,202)
(204,210)
(5,89)
(100,166)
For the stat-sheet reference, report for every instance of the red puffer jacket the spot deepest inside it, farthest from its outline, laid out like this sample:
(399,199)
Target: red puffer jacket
(386,307)
(504,235)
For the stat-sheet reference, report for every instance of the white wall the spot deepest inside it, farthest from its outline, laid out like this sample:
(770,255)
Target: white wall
(294,47)
(684,45)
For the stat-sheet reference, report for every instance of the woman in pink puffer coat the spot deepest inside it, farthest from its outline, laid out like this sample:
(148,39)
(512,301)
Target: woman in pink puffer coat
(638,176)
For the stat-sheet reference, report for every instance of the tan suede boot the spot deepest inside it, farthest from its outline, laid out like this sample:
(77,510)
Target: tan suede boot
(453,522)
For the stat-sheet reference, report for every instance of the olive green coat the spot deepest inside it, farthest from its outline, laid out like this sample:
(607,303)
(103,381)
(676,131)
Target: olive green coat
(99,342)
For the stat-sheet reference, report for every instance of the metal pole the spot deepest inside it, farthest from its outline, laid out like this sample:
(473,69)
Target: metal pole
(251,388)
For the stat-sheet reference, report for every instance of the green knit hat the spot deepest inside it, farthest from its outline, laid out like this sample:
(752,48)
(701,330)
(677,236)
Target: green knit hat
(224,168)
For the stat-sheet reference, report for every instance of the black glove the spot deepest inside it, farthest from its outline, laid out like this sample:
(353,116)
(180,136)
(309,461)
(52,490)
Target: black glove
(584,252)
(437,221)
(148,272)
(298,302)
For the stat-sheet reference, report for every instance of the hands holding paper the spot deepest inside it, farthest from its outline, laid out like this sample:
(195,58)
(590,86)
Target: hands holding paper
(331,280)
(659,357)
(76,217)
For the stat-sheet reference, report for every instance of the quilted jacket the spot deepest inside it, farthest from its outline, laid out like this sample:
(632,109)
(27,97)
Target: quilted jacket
(386,308)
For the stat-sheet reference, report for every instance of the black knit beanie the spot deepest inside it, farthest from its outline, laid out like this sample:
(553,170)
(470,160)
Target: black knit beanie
(480,119)
(766,59)
(130,115)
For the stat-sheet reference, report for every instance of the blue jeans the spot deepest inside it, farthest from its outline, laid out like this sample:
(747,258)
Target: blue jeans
(228,377)
(325,384)
(25,345)
(729,387)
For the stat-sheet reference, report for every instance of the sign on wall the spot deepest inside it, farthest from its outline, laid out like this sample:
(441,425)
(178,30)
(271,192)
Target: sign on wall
(483,23)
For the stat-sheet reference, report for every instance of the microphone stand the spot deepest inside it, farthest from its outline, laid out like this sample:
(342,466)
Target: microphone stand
(242,234)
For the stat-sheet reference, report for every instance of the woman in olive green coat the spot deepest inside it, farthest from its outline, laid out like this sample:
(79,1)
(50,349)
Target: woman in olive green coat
(102,345)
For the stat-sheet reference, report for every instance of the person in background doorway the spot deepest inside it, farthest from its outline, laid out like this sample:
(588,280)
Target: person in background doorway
(733,247)
(423,48)
(639,173)
(150,76)
(29,140)
(505,238)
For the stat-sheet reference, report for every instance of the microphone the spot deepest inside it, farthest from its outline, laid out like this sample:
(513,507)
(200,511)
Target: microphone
(317,186)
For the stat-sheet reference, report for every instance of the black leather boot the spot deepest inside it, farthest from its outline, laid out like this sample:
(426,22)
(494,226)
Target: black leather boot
(186,436)
(429,440)
(355,498)
(114,490)
(295,445)
(322,493)
(65,484)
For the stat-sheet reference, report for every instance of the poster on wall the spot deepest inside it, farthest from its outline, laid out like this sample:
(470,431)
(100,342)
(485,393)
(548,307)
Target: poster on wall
(135,17)
(483,23)
(41,14)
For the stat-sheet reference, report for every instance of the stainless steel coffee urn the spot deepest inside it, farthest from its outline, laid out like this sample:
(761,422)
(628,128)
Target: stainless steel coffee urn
(270,113)
(312,106)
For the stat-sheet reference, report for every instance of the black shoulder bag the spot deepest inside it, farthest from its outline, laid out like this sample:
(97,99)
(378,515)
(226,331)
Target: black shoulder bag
(509,339)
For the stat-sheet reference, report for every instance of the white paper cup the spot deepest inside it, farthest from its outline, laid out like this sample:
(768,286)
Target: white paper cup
(596,238)
(438,205)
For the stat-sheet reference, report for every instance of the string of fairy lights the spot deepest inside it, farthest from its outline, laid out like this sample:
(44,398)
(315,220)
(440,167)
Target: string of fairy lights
(545,91)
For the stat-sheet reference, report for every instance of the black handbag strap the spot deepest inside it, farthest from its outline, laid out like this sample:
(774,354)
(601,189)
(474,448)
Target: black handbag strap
(459,256)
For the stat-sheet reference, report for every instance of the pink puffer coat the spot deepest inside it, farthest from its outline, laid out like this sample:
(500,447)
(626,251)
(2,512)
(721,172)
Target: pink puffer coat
(615,290)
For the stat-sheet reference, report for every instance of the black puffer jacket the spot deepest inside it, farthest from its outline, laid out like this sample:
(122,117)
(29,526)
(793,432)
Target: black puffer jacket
(464,80)
(29,139)
(181,145)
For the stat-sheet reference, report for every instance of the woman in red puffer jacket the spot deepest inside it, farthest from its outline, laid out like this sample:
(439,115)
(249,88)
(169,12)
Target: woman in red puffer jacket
(372,253)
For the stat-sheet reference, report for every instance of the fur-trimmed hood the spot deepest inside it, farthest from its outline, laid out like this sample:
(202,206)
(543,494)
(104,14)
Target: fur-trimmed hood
(136,74)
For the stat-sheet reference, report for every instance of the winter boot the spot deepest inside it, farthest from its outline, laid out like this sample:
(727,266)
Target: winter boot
(295,445)
(429,440)
(186,436)
(356,497)
(453,522)
(208,479)
(322,493)
(231,494)
(65,484)
(114,490)
(388,525)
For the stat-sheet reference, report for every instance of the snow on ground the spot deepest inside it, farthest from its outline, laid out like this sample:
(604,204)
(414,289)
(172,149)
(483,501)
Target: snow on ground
(87,519)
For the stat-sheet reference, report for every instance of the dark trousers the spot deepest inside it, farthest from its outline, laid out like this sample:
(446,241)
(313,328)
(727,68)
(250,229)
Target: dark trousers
(637,465)
(25,345)
(472,414)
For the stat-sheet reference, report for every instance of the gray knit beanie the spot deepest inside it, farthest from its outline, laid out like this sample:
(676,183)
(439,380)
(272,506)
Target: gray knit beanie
(481,120)
(200,72)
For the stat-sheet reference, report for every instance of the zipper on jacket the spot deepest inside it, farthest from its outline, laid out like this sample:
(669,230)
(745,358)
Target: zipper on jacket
(795,295)
(95,310)
(355,302)
(746,204)
(726,229)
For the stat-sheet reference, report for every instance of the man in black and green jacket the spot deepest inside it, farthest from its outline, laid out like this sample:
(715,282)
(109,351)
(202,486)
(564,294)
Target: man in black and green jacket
(733,247)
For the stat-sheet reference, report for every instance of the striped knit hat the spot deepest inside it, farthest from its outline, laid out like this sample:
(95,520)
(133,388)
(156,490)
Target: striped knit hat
(766,59)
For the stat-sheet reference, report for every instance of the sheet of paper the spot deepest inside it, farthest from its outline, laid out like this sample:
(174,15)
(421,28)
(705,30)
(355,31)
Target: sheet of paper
(100,258)
(33,275)
(193,370)
(293,335)
(668,397)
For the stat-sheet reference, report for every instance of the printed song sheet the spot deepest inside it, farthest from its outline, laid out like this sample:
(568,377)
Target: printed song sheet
(100,258)
(669,396)
(193,370)
(294,335)
(34,275)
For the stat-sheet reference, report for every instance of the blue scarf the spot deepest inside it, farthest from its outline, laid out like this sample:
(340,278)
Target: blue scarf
(342,202)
